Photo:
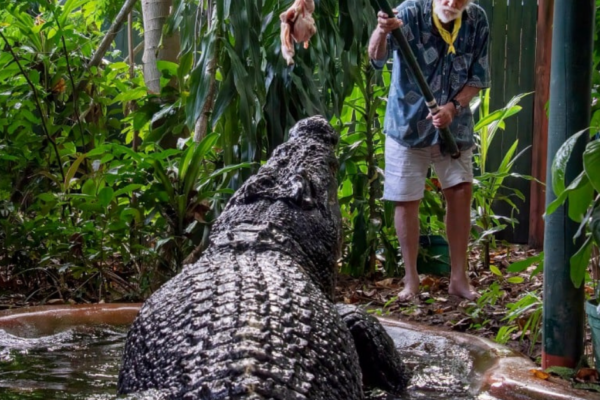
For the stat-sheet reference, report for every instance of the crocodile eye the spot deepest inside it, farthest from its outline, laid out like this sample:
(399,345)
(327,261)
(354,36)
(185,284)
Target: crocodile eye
(303,193)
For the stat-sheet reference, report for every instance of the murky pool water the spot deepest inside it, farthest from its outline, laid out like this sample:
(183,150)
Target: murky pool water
(82,363)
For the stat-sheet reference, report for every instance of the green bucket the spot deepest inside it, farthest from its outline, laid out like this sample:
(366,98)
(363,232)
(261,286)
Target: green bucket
(594,322)
(434,256)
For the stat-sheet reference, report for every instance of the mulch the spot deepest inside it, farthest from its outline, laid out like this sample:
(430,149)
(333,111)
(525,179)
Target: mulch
(483,317)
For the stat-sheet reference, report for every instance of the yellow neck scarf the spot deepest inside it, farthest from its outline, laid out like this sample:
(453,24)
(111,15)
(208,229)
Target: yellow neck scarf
(447,36)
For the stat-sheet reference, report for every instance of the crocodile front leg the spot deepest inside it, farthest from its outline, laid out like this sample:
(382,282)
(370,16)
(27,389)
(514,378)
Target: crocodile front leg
(380,362)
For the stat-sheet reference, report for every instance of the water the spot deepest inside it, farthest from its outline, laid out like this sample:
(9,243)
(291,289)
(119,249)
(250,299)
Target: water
(441,370)
(83,363)
(79,363)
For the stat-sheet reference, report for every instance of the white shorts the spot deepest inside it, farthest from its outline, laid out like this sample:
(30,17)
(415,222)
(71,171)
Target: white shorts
(406,170)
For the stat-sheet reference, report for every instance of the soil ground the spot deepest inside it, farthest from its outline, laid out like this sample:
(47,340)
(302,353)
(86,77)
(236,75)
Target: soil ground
(500,293)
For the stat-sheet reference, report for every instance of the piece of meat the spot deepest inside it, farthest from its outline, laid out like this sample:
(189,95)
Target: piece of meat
(298,24)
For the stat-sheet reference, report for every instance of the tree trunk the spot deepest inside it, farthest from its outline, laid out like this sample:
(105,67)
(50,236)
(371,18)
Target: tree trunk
(155,13)
(202,125)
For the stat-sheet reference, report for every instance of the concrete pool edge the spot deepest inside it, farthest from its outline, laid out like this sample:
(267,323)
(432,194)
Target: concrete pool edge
(502,373)
(46,320)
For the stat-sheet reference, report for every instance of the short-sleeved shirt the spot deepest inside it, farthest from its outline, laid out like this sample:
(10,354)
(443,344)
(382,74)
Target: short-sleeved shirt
(446,73)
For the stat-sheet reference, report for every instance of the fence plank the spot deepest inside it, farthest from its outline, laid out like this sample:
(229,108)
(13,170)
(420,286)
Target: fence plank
(519,79)
(527,84)
(511,133)
(498,53)
(512,59)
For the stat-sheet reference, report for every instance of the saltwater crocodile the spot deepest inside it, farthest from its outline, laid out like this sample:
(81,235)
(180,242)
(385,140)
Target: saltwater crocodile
(254,317)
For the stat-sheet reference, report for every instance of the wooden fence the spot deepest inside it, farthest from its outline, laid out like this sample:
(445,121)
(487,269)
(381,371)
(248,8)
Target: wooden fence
(512,61)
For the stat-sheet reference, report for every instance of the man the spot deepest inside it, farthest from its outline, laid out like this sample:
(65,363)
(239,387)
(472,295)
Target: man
(449,38)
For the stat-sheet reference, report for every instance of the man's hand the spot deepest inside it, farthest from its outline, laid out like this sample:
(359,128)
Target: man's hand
(444,117)
(387,24)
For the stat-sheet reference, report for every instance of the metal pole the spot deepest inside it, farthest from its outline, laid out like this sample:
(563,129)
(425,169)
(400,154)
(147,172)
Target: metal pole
(413,67)
(570,99)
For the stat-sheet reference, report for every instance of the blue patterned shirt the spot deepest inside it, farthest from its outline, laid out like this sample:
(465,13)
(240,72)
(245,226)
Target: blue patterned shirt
(446,73)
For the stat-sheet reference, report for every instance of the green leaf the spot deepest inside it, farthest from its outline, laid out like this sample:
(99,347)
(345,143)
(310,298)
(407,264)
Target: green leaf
(105,196)
(89,187)
(28,115)
(199,82)
(128,189)
(595,225)
(69,6)
(226,95)
(559,164)
(186,160)
(167,66)
(230,168)
(515,279)
(7,157)
(522,265)
(100,150)
(591,163)
(129,214)
(563,372)
(90,207)
(118,226)
(163,242)
(495,270)
(140,119)
(118,66)
(504,168)
(71,172)
(164,113)
(5,58)
(580,200)
(578,182)
(47,197)
(164,179)
(189,175)
(223,8)
(130,95)
(128,151)
(538,270)
(495,116)
(580,261)
(9,72)
(587,386)
(583,224)
(191,227)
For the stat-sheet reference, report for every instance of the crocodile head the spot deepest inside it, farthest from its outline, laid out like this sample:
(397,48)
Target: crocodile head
(291,204)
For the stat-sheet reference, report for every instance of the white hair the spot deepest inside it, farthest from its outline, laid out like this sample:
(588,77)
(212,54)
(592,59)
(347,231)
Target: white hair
(445,14)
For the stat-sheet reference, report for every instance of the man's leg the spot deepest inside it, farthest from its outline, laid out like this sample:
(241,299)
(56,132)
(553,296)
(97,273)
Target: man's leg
(458,226)
(405,173)
(406,219)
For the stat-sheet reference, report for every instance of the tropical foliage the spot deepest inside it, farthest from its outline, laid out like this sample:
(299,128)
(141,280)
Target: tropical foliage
(489,188)
(582,198)
(104,193)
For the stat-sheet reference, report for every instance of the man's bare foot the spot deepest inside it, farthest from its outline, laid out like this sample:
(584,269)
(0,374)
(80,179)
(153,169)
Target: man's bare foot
(410,290)
(463,290)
